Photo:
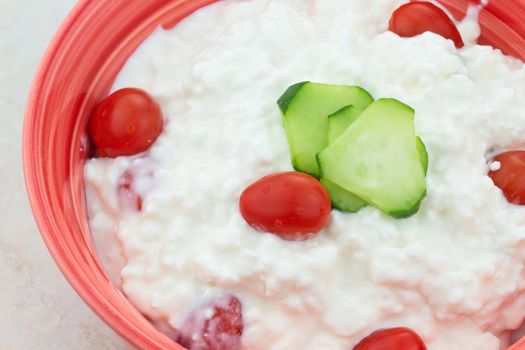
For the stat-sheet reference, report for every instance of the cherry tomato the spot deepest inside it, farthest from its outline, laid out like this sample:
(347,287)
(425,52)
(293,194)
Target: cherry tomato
(392,339)
(217,325)
(292,205)
(510,177)
(126,122)
(418,17)
(128,197)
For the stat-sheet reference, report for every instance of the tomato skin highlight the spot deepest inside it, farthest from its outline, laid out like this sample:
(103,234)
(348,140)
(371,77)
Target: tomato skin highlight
(510,177)
(292,205)
(392,339)
(125,123)
(417,17)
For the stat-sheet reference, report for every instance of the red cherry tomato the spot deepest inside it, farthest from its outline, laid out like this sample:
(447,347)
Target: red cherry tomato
(392,339)
(510,177)
(126,122)
(217,325)
(292,205)
(418,17)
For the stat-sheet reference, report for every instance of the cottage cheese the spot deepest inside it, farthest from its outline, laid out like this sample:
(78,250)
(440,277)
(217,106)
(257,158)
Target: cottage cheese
(454,272)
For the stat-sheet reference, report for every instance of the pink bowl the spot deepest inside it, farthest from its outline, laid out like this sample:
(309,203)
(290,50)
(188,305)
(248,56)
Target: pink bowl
(77,70)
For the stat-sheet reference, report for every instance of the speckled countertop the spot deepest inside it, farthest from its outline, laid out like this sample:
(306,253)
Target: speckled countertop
(38,308)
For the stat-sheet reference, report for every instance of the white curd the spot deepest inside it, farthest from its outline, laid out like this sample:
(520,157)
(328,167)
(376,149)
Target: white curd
(454,272)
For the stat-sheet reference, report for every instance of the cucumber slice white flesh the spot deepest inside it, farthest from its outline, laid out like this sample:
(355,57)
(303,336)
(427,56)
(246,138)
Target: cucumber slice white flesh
(305,107)
(377,159)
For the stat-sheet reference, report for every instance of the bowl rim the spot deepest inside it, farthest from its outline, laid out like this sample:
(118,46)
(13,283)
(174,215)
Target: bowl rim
(35,194)
(32,189)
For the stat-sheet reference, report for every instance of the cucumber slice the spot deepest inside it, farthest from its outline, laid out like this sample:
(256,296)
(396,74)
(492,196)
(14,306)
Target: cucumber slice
(305,107)
(377,159)
(337,123)
(423,155)
(343,200)
(340,121)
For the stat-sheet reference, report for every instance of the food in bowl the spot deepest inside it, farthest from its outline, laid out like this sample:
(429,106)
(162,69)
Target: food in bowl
(441,271)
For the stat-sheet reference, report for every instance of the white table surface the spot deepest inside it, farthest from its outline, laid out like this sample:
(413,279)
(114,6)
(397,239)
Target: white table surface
(38,308)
